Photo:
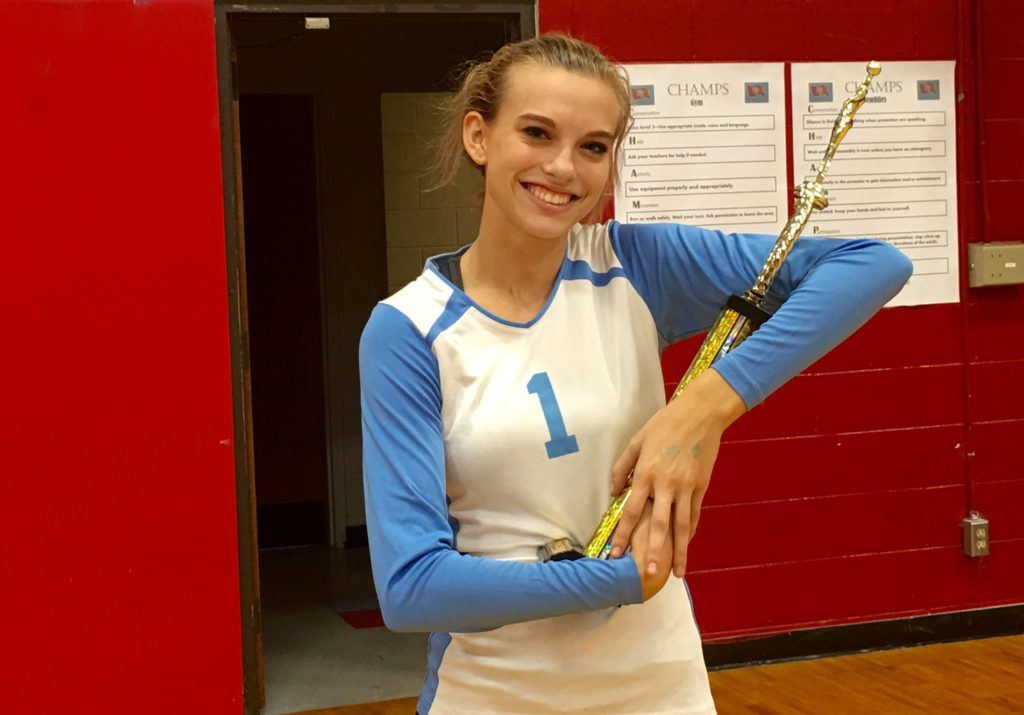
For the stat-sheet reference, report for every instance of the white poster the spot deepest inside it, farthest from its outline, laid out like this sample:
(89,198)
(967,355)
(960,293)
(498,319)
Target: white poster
(708,147)
(894,176)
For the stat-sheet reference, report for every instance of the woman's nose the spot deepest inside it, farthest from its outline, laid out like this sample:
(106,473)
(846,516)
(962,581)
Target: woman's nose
(561,165)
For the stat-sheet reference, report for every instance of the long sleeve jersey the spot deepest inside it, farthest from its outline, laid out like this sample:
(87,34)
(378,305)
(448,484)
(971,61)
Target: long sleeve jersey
(485,438)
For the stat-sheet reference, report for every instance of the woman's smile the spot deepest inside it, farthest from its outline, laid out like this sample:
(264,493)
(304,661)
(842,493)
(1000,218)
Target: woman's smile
(548,199)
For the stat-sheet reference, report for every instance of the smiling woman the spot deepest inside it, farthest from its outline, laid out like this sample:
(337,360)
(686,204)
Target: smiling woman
(503,386)
(552,138)
(547,162)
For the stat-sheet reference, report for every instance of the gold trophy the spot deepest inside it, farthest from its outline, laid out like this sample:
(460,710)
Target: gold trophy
(743,314)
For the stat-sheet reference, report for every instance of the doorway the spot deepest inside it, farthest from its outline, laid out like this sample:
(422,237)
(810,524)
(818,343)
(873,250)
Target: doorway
(305,151)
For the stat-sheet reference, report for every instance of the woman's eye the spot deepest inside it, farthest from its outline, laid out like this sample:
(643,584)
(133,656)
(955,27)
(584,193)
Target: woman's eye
(535,132)
(596,148)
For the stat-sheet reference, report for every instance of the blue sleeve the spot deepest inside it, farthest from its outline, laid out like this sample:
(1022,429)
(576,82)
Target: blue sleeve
(824,291)
(423,582)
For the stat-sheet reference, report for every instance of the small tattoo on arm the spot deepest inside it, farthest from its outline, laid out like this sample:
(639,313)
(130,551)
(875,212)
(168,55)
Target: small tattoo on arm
(672,452)
(695,450)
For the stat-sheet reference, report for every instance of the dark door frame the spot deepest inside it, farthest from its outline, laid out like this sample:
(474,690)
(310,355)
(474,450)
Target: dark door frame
(227,87)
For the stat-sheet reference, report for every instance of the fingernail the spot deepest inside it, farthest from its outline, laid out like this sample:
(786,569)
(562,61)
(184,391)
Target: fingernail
(652,568)
(616,552)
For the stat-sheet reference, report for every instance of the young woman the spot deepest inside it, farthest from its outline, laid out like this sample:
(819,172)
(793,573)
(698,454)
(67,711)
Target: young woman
(503,387)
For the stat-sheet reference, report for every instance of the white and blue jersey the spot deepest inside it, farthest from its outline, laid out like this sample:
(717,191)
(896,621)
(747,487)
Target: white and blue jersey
(484,438)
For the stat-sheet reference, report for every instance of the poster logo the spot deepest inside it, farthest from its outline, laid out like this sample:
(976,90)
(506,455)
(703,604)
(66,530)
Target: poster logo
(927,89)
(755,92)
(641,94)
(819,91)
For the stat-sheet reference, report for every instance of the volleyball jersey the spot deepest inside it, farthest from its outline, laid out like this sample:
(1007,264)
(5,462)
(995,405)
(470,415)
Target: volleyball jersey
(485,438)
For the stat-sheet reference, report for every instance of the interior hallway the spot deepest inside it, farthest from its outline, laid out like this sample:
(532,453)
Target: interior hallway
(313,656)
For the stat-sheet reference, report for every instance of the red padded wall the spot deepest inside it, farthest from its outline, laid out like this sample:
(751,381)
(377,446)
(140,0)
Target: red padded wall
(839,499)
(119,588)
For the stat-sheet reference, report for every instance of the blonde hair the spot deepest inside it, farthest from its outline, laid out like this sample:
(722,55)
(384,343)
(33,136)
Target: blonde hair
(482,85)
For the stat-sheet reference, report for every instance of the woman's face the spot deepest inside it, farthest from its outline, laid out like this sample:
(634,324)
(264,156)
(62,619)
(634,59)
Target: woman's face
(547,152)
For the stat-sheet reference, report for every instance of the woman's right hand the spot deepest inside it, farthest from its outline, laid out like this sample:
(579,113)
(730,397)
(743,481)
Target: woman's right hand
(651,583)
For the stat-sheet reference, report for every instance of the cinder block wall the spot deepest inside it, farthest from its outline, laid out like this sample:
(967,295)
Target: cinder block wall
(421,223)
(888,441)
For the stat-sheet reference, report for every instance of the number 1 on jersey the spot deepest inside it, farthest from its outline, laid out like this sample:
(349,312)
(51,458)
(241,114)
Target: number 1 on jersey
(561,443)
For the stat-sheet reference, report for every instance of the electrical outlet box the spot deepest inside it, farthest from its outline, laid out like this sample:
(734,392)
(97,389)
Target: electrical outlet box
(318,23)
(995,264)
(976,535)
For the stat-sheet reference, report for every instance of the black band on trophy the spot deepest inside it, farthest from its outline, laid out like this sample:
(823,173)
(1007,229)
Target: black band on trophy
(748,310)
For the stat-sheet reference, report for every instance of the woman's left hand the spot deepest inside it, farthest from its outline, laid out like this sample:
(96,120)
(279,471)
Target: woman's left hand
(671,458)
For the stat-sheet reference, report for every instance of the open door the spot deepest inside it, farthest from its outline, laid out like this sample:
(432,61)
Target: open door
(248,547)
(365,63)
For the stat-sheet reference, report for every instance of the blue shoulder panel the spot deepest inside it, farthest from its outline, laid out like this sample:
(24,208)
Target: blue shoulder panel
(581,270)
(457,305)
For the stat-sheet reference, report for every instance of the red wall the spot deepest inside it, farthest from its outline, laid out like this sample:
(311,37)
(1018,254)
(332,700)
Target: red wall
(118,556)
(839,499)
(835,501)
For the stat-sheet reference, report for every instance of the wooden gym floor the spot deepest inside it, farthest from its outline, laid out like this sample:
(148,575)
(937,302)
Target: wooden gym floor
(977,677)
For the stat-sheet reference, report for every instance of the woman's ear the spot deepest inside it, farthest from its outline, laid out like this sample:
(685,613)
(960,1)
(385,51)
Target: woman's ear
(474,137)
